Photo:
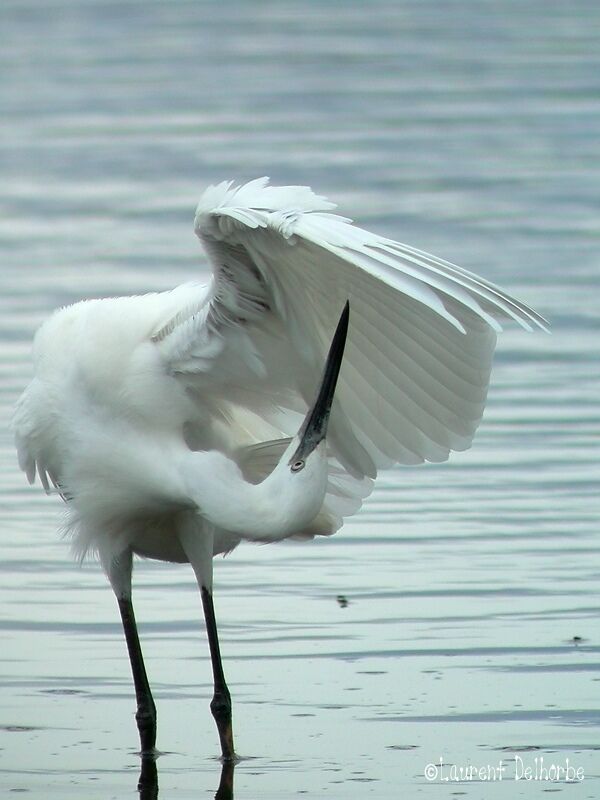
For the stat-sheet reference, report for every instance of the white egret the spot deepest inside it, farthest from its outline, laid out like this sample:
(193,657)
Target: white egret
(171,423)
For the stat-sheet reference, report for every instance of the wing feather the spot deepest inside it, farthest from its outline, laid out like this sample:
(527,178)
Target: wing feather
(422,332)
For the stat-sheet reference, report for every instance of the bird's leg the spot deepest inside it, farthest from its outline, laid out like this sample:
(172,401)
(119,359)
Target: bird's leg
(221,702)
(120,577)
(197,542)
(146,710)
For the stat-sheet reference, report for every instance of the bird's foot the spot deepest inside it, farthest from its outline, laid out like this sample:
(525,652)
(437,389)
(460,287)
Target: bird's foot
(220,707)
(146,723)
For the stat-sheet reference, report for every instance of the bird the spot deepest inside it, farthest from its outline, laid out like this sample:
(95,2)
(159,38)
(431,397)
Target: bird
(259,406)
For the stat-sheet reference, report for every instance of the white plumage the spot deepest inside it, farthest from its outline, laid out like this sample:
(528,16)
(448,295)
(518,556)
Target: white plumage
(121,382)
(157,415)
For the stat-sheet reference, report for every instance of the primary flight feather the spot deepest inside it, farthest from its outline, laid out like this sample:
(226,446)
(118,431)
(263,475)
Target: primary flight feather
(170,422)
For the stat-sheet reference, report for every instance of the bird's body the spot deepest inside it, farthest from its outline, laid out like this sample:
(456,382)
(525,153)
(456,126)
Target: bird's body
(131,447)
(167,421)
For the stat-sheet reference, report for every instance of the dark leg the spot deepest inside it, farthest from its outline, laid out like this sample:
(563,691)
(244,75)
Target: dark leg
(146,710)
(221,702)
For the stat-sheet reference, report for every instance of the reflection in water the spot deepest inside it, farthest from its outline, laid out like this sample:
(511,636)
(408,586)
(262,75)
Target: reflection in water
(225,790)
(148,781)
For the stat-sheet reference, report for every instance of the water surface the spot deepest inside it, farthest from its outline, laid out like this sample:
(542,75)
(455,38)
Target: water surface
(468,129)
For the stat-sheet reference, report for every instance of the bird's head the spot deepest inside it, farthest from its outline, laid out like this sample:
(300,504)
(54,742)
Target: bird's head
(292,495)
(307,449)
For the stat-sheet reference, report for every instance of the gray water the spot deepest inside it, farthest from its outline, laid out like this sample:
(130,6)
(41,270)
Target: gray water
(467,128)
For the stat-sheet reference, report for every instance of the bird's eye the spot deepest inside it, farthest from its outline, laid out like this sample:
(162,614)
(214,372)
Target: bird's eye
(297,466)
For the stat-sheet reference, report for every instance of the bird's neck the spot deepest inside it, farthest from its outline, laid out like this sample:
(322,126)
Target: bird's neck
(280,506)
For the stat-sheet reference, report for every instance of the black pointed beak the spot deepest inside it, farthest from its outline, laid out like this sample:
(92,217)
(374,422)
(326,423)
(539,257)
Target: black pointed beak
(314,427)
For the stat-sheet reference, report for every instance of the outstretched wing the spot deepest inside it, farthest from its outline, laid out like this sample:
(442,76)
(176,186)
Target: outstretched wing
(422,331)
